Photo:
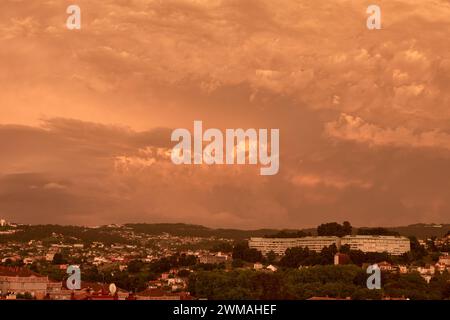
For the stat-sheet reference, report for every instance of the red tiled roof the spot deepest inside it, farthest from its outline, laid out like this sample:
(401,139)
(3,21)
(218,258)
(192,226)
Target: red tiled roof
(150,292)
(18,272)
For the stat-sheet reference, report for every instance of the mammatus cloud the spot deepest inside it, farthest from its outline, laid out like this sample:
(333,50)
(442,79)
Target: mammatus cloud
(112,92)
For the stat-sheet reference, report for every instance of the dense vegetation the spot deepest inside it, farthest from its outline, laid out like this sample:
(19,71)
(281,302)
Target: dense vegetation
(334,229)
(109,235)
(377,232)
(332,281)
(70,234)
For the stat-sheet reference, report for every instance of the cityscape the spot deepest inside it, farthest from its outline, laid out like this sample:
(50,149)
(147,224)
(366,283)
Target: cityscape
(191,262)
(222,158)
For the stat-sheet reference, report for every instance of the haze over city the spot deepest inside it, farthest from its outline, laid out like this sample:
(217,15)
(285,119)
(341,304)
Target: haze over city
(86,115)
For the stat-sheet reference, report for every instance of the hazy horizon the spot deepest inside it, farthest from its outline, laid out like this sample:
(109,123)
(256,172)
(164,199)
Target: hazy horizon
(427,224)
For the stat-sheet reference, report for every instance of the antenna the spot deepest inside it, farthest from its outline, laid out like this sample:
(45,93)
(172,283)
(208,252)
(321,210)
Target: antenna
(112,288)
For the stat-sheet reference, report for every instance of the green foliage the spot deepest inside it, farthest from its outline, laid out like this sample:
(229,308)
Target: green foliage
(175,261)
(410,285)
(334,229)
(377,232)
(58,259)
(69,234)
(287,234)
(344,281)
(184,273)
(189,230)
(237,263)
(271,257)
(241,251)
(135,266)
(334,281)
(25,296)
(298,256)
(209,266)
(222,247)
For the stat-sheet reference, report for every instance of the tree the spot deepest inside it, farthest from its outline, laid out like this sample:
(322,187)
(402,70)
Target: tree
(237,263)
(418,251)
(366,294)
(287,234)
(243,252)
(239,250)
(298,256)
(334,229)
(327,254)
(377,232)
(271,257)
(222,247)
(346,228)
(58,259)
(184,273)
(135,266)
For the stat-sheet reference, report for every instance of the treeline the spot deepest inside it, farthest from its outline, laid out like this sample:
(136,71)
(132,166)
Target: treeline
(332,281)
(190,230)
(334,229)
(69,234)
(377,232)
(288,234)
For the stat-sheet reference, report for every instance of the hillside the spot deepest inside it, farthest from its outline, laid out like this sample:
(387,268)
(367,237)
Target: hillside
(114,234)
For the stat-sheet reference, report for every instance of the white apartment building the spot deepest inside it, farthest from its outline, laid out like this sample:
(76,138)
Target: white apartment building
(393,245)
(279,245)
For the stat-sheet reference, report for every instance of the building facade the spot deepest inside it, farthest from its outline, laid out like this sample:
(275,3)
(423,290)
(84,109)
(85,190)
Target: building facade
(394,245)
(14,281)
(214,259)
(37,286)
(279,245)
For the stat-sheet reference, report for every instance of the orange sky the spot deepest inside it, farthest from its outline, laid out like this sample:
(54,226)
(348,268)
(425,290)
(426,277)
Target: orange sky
(86,116)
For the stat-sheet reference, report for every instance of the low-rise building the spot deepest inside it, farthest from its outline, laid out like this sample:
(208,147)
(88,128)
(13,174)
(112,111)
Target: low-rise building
(214,258)
(14,281)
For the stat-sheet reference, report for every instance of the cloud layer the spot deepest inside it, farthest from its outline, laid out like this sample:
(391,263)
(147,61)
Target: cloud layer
(363,115)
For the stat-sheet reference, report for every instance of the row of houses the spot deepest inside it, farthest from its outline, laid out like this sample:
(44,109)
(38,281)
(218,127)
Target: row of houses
(17,283)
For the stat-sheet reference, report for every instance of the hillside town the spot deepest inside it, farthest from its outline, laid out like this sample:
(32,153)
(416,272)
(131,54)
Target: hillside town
(139,265)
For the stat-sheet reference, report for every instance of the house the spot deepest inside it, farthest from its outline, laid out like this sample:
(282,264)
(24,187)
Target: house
(159,294)
(271,268)
(427,270)
(49,256)
(402,269)
(165,276)
(214,259)
(385,266)
(445,259)
(341,258)
(441,267)
(16,280)
(258,266)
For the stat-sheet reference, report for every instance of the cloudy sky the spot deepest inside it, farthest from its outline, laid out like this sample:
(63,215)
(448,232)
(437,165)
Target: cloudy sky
(86,116)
